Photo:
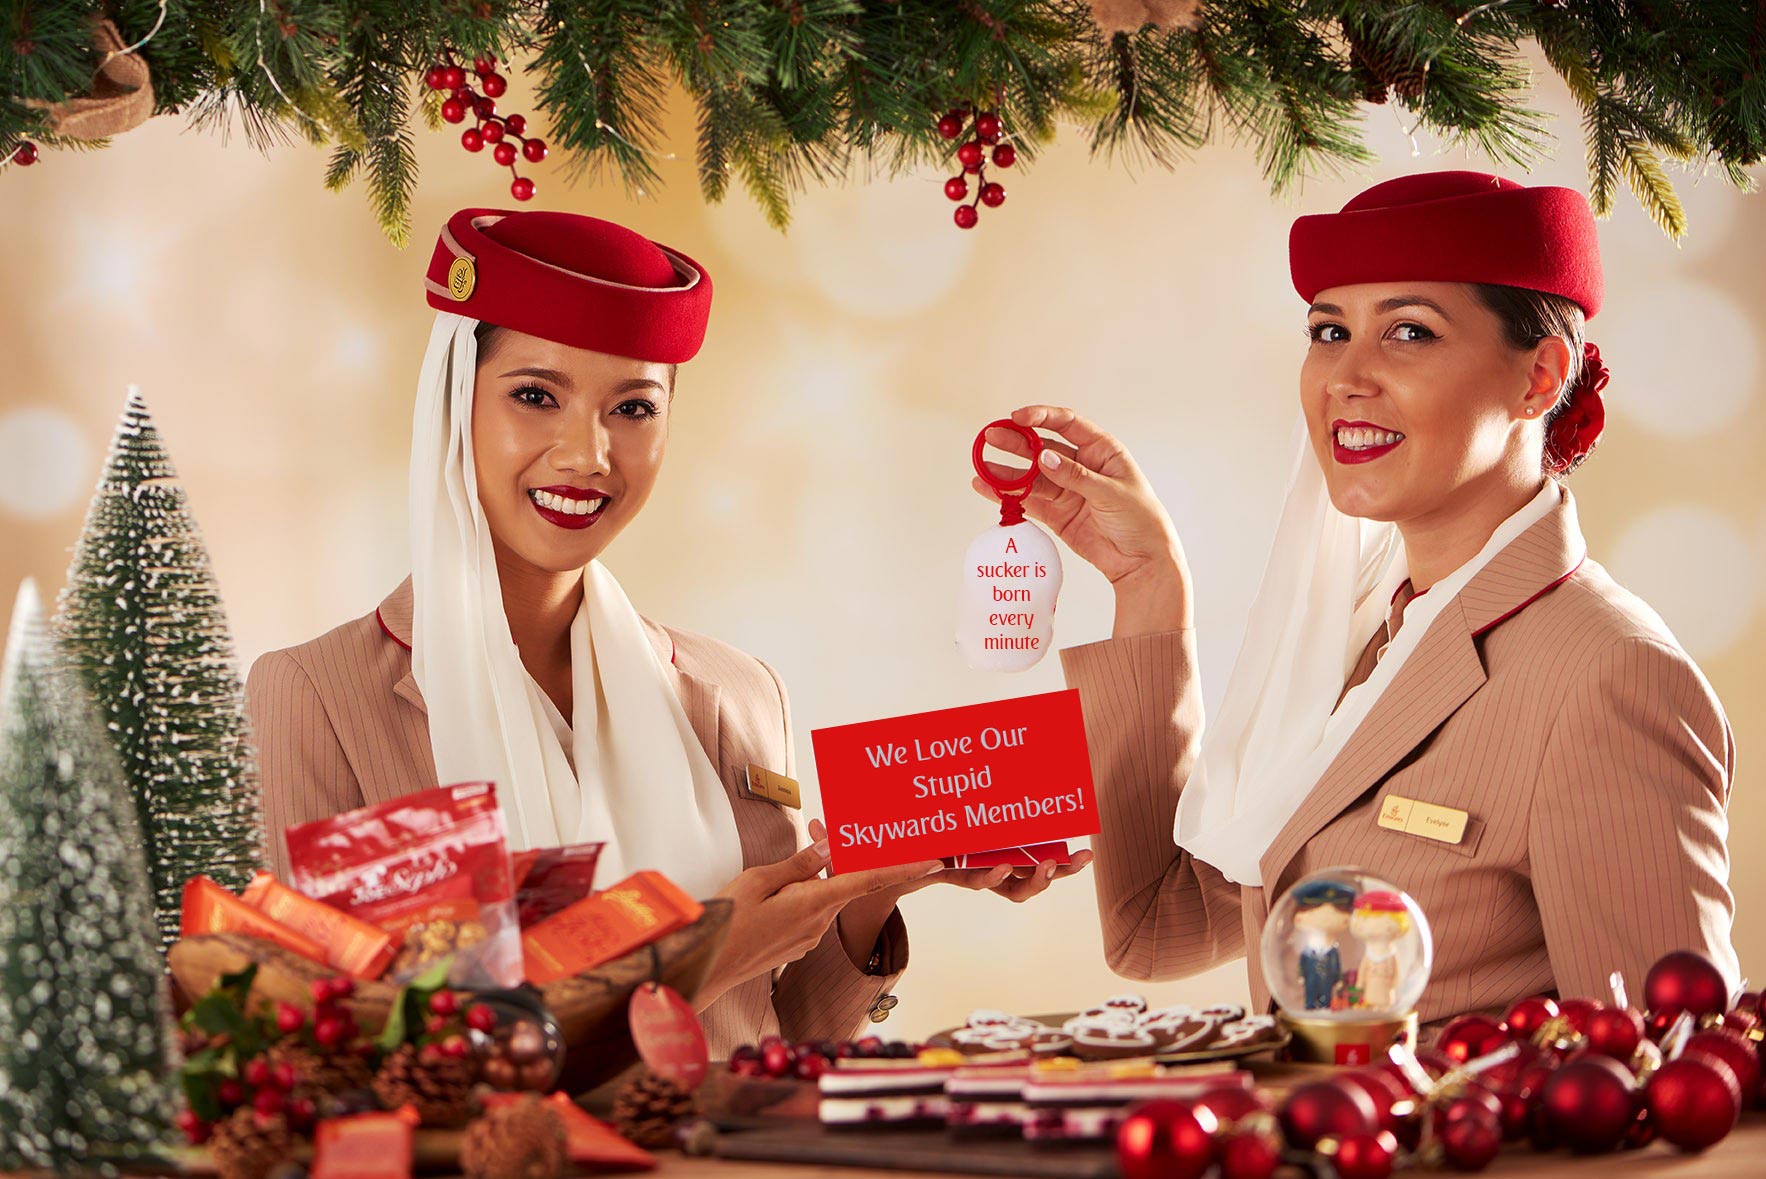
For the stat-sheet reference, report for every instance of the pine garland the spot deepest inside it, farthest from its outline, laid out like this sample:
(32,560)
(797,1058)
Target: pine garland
(143,630)
(84,1024)
(792,93)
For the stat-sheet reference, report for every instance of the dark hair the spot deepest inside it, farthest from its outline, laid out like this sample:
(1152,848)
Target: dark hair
(485,334)
(1528,317)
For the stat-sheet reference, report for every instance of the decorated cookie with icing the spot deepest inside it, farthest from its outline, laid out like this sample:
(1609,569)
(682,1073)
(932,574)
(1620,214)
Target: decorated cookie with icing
(1255,1029)
(1108,1041)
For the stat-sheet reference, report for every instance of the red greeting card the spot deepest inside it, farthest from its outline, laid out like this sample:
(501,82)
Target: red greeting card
(1011,773)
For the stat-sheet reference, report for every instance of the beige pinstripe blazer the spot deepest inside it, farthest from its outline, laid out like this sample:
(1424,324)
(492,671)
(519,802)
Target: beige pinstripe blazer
(1550,704)
(339,724)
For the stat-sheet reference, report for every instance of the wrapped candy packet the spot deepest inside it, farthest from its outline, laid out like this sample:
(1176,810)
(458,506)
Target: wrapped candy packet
(351,944)
(209,908)
(599,928)
(550,879)
(430,868)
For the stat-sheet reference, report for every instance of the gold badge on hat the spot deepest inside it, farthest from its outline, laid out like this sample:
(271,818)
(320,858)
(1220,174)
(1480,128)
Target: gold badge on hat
(461,278)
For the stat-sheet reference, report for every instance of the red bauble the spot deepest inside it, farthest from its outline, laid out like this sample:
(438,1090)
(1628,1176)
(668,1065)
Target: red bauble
(1686,981)
(472,139)
(1577,1012)
(533,151)
(1229,1103)
(504,153)
(26,155)
(950,126)
(1320,1108)
(956,188)
(516,123)
(1471,1142)
(1165,1140)
(1005,155)
(434,79)
(1658,1023)
(484,65)
(1694,1100)
(1735,1050)
(1516,1109)
(494,85)
(1366,1156)
(993,195)
(966,216)
(987,126)
(969,156)
(1503,1076)
(1382,1088)
(486,108)
(453,77)
(1249,1156)
(480,1018)
(453,110)
(1741,1017)
(1529,1015)
(492,131)
(1475,1102)
(1470,1036)
(444,1003)
(329,1032)
(1615,1032)
(1589,1102)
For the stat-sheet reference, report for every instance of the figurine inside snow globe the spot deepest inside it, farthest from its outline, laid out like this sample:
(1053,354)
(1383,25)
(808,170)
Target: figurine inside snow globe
(1347,955)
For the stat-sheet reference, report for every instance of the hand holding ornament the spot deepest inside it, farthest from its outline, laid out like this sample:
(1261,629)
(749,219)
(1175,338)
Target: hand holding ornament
(1092,495)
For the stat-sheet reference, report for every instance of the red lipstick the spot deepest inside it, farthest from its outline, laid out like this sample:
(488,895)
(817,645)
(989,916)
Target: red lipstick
(1346,455)
(571,520)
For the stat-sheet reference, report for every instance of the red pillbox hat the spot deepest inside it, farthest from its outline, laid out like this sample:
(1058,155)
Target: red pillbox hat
(574,279)
(1453,227)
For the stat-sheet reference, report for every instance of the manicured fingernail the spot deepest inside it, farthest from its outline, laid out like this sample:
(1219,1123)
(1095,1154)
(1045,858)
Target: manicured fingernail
(999,873)
(1048,871)
(821,846)
(934,866)
(1049,459)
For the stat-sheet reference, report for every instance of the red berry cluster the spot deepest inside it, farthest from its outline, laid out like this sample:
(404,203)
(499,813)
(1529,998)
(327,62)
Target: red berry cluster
(26,155)
(773,1057)
(973,156)
(502,133)
(333,1024)
(1575,1073)
(445,1030)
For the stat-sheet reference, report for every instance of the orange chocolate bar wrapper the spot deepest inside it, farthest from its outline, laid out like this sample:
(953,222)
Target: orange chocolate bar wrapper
(209,908)
(601,927)
(351,944)
(364,1146)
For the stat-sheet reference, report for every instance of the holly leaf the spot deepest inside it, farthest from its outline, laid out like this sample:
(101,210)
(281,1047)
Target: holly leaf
(411,1002)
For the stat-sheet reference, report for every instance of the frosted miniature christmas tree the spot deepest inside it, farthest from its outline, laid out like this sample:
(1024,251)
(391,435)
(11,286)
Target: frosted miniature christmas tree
(84,1025)
(142,626)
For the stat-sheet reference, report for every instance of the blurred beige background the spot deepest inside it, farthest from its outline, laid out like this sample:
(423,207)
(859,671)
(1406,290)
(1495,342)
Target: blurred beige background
(815,504)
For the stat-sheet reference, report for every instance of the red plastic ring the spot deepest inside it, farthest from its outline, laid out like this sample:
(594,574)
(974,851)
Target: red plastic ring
(1021,484)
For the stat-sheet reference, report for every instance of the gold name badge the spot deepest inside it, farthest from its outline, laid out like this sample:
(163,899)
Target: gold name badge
(1427,819)
(763,783)
(461,279)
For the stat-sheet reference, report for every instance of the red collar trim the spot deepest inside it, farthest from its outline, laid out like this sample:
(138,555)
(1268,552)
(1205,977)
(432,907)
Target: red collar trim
(1529,601)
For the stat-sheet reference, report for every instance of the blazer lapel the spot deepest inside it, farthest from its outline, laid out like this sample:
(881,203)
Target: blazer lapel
(1441,674)
(699,697)
(394,616)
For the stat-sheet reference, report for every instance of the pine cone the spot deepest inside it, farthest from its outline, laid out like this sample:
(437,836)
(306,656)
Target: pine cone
(440,1087)
(648,1107)
(248,1145)
(524,1140)
(319,1075)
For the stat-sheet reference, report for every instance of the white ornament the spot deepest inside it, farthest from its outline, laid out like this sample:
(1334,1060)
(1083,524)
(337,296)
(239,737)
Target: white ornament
(1011,579)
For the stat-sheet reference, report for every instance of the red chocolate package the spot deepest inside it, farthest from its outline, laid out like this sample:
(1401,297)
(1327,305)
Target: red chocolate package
(549,879)
(432,869)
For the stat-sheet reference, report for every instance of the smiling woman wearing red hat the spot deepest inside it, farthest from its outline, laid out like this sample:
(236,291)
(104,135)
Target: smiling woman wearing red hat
(1429,629)
(512,655)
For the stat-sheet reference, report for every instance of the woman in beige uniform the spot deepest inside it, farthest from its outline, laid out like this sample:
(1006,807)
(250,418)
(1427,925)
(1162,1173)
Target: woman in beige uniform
(1429,631)
(512,655)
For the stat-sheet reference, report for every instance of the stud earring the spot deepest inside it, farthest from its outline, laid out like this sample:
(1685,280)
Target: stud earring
(1532,409)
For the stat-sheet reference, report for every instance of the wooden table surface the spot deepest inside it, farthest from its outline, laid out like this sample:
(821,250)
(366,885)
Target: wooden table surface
(1742,1154)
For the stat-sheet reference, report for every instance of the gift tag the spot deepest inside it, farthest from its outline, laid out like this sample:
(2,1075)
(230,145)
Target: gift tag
(668,1035)
(1011,575)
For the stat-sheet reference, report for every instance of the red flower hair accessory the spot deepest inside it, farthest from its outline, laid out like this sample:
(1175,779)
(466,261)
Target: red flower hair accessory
(1573,431)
